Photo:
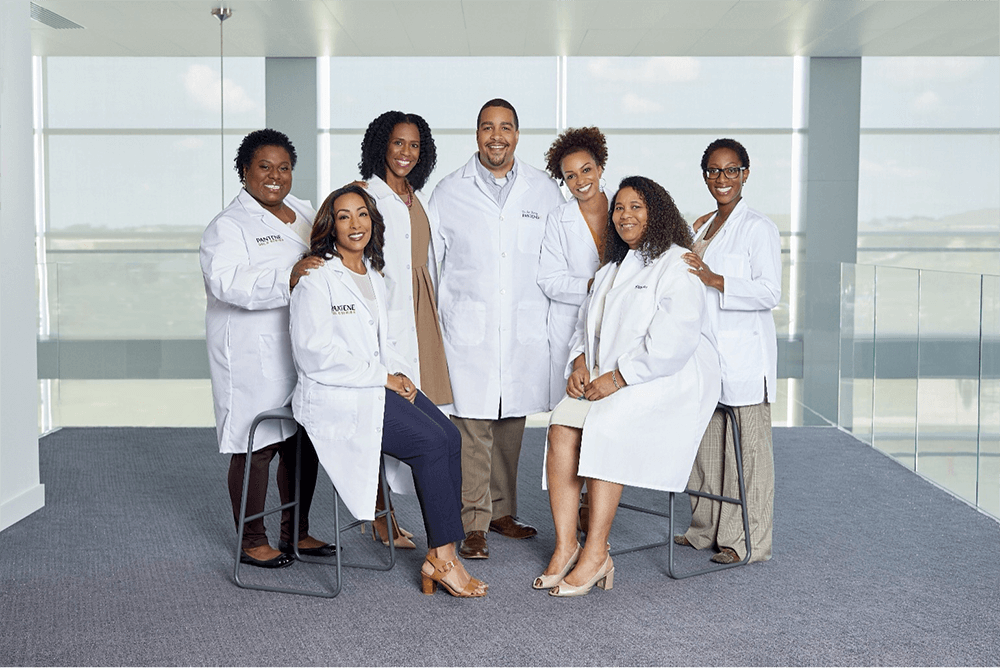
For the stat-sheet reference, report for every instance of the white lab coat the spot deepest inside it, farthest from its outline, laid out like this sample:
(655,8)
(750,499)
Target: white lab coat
(656,332)
(747,252)
(342,357)
(568,261)
(246,257)
(399,273)
(492,311)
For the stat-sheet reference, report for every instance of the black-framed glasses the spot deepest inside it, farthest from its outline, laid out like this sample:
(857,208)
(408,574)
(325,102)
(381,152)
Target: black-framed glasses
(731,172)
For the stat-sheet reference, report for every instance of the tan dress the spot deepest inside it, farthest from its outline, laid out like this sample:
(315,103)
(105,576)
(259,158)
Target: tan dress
(434,380)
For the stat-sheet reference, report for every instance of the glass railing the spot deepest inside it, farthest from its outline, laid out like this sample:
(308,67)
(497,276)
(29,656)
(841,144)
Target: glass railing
(919,373)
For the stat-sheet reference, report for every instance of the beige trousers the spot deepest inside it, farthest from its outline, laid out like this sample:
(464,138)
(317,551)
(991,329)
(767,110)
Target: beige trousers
(490,452)
(721,524)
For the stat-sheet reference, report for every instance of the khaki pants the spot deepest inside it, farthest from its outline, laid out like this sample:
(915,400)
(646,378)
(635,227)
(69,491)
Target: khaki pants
(490,452)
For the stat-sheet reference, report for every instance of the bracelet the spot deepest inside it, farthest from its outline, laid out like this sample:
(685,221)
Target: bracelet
(614,378)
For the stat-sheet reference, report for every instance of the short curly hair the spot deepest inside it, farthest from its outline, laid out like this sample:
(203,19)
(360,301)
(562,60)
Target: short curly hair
(589,139)
(376,141)
(323,241)
(664,223)
(265,137)
(725,143)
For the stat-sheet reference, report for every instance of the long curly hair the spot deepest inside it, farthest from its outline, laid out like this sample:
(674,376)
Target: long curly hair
(725,143)
(664,223)
(323,241)
(265,137)
(376,141)
(589,139)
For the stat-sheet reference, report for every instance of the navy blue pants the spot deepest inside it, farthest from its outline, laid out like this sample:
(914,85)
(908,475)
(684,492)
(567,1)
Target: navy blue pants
(421,436)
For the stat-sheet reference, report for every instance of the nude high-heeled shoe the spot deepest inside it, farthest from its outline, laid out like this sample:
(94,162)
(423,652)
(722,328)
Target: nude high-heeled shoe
(548,581)
(400,538)
(604,579)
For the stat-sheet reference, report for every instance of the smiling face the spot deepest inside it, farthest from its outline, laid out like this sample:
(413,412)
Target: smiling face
(403,151)
(726,190)
(352,224)
(582,175)
(629,216)
(268,177)
(497,137)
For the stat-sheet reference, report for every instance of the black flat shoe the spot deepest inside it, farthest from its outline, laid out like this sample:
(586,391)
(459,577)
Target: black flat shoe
(325,550)
(279,561)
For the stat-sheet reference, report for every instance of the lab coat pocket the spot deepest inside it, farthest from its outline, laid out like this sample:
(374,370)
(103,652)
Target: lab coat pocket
(332,412)
(276,356)
(531,320)
(529,235)
(465,323)
(733,351)
(734,265)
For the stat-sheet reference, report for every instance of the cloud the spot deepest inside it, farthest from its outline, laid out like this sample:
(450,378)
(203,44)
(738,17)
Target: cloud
(202,85)
(651,71)
(900,70)
(635,104)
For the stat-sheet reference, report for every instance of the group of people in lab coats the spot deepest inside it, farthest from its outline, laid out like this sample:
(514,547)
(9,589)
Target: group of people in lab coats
(491,300)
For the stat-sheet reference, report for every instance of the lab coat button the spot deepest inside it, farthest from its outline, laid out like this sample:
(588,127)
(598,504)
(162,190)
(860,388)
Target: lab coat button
(503,291)
(407,236)
(371,322)
(503,255)
(501,217)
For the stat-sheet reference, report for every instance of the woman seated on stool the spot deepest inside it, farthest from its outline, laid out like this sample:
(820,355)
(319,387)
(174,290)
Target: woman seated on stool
(643,384)
(345,365)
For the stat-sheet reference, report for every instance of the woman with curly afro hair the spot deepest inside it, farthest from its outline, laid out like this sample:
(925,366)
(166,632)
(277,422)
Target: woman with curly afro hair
(737,255)
(573,241)
(643,383)
(397,157)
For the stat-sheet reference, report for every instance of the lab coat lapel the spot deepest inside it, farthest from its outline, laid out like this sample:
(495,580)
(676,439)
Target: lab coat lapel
(337,265)
(269,220)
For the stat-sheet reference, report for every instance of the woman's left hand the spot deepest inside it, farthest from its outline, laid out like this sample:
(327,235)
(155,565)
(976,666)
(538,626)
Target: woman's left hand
(701,270)
(402,385)
(603,386)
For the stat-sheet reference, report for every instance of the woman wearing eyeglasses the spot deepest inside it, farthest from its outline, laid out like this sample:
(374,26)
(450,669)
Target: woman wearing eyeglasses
(737,255)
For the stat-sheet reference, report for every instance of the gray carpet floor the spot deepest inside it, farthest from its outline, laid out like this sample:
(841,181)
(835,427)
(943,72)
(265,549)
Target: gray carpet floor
(130,563)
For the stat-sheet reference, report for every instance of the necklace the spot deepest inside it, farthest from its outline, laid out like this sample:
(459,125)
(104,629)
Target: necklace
(408,201)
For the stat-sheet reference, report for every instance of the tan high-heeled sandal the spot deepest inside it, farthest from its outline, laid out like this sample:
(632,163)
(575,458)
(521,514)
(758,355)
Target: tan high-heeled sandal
(548,581)
(400,538)
(604,579)
(440,569)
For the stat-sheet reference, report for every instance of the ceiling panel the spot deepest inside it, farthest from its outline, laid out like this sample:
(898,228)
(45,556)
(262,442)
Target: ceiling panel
(524,27)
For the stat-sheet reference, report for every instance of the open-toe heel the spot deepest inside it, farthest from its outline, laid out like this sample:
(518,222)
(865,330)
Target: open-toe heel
(604,579)
(439,571)
(548,581)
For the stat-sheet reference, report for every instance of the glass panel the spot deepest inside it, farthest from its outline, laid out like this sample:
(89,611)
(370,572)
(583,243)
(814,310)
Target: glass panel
(931,92)
(428,87)
(133,402)
(114,92)
(948,384)
(895,393)
(658,92)
(857,350)
(989,400)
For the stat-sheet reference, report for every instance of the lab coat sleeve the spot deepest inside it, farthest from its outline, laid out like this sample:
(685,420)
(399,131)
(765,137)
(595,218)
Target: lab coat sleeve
(317,346)
(554,276)
(578,343)
(763,289)
(674,332)
(229,275)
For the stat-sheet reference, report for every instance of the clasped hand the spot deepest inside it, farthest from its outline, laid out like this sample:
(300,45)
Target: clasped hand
(579,384)
(401,384)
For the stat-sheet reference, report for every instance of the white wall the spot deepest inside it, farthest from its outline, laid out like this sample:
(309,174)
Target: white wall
(20,490)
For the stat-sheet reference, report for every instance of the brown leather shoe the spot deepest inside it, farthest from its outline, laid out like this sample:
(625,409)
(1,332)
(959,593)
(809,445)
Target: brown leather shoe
(508,526)
(726,556)
(474,545)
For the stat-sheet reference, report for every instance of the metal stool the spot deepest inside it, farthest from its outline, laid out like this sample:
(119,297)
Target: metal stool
(285,414)
(729,418)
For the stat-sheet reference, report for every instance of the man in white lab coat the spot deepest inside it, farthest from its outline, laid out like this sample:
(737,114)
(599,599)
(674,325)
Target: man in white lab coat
(491,215)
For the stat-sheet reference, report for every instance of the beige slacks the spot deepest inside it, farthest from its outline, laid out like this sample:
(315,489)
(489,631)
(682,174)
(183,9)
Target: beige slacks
(721,524)
(490,452)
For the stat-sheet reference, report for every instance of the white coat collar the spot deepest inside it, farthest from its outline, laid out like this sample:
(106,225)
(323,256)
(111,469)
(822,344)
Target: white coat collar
(254,210)
(379,190)
(520,182)
(733,221)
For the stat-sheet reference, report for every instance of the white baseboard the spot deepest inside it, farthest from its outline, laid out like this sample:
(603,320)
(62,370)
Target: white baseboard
(20,506)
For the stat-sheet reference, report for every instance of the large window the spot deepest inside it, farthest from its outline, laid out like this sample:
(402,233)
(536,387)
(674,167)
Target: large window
(929,186)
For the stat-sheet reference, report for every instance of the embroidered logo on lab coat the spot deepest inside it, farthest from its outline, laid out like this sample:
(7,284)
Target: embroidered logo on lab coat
(528,214)
(342,309)
(641,286)
(267,239)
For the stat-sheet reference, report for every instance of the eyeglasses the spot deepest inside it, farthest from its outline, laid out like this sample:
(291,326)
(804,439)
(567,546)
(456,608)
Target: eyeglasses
(731,172)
